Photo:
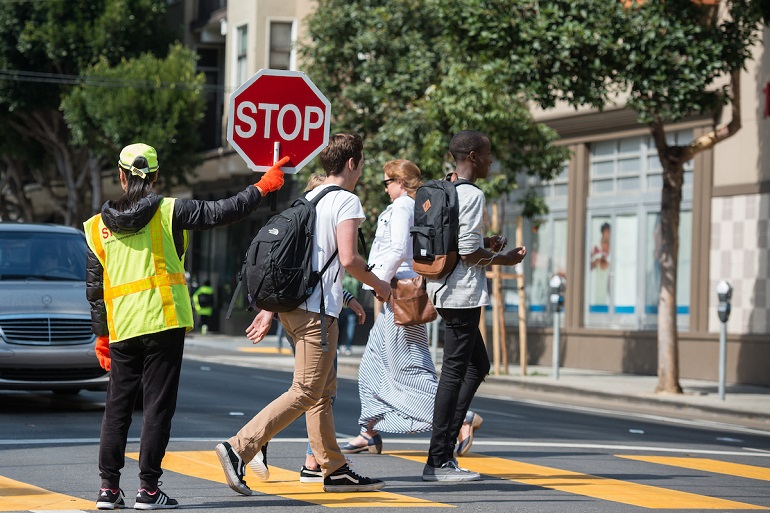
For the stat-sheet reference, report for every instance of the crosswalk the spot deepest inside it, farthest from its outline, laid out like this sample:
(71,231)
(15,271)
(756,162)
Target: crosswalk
(19,496)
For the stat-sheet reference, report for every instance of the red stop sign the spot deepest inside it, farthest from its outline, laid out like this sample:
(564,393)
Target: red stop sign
(282,107)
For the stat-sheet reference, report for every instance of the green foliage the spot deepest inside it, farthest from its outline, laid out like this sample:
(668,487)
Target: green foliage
(101,53)
(145,99)
(395,74)
(66,36)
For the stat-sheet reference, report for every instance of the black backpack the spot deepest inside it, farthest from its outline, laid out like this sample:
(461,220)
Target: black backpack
(436,226)
(205,300)
(278,266)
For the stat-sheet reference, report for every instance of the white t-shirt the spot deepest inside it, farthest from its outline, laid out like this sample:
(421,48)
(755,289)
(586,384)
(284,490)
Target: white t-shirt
(334,208)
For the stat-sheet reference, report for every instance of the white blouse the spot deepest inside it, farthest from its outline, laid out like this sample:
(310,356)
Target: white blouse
(391,252)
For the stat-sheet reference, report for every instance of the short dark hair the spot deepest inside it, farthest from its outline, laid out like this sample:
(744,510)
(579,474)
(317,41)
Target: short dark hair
(341,148)
(465,142)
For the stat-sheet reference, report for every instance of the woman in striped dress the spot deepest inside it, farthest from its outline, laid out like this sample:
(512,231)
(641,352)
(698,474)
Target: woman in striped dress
(397,378)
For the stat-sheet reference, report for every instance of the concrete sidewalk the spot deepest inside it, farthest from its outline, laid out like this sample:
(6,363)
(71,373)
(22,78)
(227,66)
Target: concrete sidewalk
(743,401)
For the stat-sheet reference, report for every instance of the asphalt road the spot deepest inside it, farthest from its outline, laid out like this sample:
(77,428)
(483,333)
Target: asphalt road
(536,453)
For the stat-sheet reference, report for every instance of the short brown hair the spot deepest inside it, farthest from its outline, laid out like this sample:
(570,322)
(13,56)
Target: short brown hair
(341,148)
(406,171)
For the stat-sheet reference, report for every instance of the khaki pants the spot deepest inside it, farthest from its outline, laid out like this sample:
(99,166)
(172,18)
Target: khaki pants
(311,392)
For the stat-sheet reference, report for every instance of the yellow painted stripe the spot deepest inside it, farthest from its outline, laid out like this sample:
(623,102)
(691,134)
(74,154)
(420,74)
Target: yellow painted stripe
(587,485)
(266,350)
(707,465)
(285,483)
(18,496)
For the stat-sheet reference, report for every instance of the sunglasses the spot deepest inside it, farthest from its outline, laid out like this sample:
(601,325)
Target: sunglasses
(387,182)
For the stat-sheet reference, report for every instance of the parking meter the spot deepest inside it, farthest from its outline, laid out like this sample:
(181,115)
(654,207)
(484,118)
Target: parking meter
(724,294)
(557,285)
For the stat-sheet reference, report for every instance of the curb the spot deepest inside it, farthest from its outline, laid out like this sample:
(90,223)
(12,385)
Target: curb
(669,403)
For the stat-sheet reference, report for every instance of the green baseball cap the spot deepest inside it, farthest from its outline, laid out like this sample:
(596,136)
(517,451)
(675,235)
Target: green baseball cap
(130,152)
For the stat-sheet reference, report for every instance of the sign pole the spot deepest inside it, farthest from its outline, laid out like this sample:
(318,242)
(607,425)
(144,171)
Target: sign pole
(276,158)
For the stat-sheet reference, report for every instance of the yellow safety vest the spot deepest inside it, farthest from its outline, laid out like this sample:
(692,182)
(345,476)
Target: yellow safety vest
(145,290)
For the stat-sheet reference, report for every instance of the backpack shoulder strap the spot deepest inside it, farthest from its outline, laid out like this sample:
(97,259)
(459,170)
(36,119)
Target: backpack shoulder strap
(323,193)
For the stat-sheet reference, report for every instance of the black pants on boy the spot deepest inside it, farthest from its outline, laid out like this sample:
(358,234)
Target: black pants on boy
(154,362)
(464,367)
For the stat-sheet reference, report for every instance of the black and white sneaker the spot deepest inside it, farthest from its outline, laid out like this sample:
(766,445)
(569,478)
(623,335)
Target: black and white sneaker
(259,465)
(234,468)
(310,476)
(154,500)
(345,480)
(110,499)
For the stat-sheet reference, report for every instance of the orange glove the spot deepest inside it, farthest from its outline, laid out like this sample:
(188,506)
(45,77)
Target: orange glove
(102,348)
(272,180)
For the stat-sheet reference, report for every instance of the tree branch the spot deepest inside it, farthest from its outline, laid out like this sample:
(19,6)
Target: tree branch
(719,134)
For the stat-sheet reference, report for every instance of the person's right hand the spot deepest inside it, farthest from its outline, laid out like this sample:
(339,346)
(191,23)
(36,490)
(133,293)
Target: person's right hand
(354,305)
(259,326)
(382,290)
(516,255)
(272,180)
(102,348)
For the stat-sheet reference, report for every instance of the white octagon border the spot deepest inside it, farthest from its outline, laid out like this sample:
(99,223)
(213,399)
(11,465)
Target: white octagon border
(279,73)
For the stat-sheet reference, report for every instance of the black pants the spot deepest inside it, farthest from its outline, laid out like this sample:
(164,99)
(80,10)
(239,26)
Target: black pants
(464,367)
(152,361)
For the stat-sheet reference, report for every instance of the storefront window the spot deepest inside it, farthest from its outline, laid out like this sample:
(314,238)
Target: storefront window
(623,262)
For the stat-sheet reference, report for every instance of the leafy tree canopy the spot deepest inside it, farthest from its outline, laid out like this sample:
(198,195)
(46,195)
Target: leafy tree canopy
(147,99)
(395,74)
(110,65)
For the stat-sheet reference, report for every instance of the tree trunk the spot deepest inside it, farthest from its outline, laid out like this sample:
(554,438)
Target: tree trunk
(70,165)
(670,206)
(14,184)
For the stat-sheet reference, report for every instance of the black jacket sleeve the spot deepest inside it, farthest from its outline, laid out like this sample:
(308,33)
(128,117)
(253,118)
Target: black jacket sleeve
(191,214)
(95,294)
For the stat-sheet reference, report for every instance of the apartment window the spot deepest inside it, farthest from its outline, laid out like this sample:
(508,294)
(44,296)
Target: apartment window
(280,45)
(241,62)
(623,235)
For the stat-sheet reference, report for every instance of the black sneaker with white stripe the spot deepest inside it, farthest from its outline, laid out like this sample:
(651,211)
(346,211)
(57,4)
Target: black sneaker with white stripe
(345,480)
(234,468)
(154,500)
(110,499)
(307,475)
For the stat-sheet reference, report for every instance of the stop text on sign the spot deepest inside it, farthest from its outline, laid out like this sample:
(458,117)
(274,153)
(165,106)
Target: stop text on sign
(289,121)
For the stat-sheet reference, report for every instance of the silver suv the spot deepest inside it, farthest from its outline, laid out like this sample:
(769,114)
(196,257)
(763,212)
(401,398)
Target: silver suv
(46,342)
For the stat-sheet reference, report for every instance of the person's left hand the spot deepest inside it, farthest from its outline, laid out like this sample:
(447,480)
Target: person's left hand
(102,348)
(259,326)
(354,305)
(497,243)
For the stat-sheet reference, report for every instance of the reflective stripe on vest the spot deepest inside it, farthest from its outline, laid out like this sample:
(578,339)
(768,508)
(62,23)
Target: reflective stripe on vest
(168,286)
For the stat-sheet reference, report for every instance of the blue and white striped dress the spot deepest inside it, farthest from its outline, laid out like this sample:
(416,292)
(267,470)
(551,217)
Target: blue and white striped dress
(397,379)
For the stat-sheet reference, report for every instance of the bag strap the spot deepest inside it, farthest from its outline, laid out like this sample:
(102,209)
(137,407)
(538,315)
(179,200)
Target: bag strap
(236,291)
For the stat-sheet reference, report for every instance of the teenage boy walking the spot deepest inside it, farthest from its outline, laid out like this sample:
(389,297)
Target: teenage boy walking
(459,298)
(338,216)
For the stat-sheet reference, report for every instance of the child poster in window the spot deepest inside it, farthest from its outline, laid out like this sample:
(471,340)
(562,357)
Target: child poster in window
(600,269)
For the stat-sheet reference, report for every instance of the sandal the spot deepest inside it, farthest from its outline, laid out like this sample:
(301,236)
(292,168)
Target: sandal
(463,446)
(373,445)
